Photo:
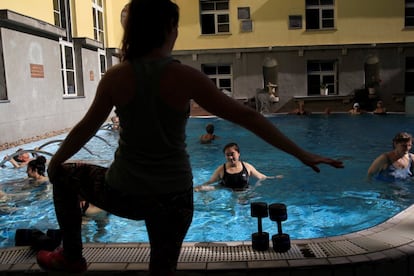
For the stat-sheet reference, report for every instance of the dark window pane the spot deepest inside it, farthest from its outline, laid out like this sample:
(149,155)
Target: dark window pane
(62,16)
(223,70)
(409,11)
(313,67)
(224,28)
(313,85)
(100,20)
(312,19)
(409,63)
(209,70)
(328,79)
(327,2)
(224,83)
(103,63)
(222,6)
(63,84)
(409,1)
(101,36)
(409,21)
(57,19)
(409,83)
(327,23)
(207,6)
(207,24)
(71,82)
(223,18)
(325,66)
(327,14)
(312,2)
(69,58)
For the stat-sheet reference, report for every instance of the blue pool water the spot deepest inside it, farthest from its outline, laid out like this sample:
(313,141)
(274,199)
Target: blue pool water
(333,202)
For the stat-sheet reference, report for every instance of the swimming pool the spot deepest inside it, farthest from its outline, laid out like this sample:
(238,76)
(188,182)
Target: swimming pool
(334,202)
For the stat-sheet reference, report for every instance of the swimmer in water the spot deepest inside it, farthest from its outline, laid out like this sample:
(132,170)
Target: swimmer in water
(233,174)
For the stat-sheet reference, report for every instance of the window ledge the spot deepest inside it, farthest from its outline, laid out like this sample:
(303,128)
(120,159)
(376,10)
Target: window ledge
(73,97)
(322,30)
(324,98)
(218,34)
(4,101)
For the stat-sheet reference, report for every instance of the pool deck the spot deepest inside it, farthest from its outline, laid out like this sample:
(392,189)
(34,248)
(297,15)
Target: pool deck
(386,249)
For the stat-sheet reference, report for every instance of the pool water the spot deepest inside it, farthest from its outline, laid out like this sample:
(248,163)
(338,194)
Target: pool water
(333,202)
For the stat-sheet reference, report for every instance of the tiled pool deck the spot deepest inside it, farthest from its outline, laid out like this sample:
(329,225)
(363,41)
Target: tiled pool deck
(386,249)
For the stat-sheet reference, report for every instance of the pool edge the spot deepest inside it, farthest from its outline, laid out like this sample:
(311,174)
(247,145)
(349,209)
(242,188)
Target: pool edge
(385,249)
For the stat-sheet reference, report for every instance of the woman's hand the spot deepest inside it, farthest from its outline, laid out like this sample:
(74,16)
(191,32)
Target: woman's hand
(312,160)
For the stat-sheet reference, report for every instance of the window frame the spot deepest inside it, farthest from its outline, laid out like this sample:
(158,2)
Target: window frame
(57,13)
(322,10)
(218,16)
(409,75)
(409,13)
(98,20)
(64,70)
(102,53)
(323,75)
(217,77)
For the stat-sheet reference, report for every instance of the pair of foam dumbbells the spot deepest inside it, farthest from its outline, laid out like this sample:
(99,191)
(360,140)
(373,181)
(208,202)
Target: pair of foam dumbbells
(277,212)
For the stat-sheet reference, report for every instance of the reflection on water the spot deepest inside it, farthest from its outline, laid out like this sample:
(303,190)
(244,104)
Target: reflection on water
(329,203)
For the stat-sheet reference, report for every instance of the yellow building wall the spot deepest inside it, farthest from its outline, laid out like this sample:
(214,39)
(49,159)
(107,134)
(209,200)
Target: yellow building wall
(367,21)
(113,27)
(39,9)
(357,22)
(82,21)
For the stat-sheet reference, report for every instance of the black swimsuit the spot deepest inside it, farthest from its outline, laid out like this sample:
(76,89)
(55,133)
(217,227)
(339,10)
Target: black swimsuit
(236,181)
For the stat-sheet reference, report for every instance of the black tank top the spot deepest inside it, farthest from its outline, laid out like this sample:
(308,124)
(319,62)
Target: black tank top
(235,181)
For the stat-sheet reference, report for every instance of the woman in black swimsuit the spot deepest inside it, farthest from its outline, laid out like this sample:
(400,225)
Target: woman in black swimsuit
(233,174)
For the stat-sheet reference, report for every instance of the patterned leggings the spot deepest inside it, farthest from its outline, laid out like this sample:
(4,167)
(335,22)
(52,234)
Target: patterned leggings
(167,217)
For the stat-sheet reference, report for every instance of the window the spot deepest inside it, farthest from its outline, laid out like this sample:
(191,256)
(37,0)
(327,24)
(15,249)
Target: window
(68,69)
(243,13)
(320,14)
(321,73)
(102,62)
(409,13)
(59,13)
(409,75)
(97,14)
(221,75)
(215,17)
(295,21)
(3,87)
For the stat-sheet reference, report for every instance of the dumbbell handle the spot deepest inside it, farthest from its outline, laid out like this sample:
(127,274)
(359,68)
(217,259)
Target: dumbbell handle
(279,227)
(259,225)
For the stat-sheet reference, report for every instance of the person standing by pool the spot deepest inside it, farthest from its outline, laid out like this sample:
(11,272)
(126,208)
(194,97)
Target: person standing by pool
(233,174)
(150,178)
(395,164)
(209,136)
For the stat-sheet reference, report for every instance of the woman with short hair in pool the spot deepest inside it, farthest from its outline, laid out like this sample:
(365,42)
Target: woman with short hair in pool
(150,177)
(19,160)
(233,174)
(209,136)
(396,164)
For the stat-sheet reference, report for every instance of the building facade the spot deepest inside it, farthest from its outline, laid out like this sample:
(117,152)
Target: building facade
(266,53)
